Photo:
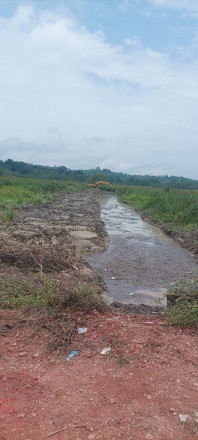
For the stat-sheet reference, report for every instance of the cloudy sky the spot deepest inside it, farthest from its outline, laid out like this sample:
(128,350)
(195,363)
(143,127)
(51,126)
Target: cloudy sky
(109,83)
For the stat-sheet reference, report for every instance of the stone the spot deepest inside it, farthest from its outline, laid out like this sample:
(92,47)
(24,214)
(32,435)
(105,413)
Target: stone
(112,401)
(183,417)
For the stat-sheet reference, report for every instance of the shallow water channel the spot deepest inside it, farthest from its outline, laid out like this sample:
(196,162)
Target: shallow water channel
(141,262)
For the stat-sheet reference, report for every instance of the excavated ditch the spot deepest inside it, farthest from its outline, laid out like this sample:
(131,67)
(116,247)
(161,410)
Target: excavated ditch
(69,237)
(141,262)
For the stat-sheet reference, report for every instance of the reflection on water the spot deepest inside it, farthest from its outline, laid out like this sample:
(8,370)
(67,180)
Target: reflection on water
(141,262)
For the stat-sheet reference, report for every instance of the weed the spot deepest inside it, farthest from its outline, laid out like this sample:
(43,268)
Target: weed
(184,311)
(15,293)
(177,209)
(123,360)
(81,297)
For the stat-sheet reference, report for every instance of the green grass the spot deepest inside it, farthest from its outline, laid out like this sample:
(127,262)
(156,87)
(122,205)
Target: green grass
(177,209)
(16,293)
(16,192)
(184,312)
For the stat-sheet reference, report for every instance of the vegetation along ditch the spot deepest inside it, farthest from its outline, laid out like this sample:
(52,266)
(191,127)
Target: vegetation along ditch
(49,229)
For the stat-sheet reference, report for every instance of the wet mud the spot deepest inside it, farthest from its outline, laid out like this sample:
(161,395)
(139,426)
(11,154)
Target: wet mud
(141,262)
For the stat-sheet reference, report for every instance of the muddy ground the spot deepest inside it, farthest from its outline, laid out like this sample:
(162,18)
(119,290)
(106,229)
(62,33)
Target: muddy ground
(145,388)
(140,259)
(56,237)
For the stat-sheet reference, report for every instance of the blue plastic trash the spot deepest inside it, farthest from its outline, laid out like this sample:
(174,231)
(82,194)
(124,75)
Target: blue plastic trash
(73,353)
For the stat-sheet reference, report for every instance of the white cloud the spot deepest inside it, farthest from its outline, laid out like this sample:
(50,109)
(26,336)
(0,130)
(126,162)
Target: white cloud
(79,101)
(191,5)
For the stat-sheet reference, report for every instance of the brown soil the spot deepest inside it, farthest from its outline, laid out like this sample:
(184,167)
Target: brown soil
(135,392)
(55,238)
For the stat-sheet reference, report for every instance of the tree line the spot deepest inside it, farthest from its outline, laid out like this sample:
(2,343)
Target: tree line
(22,169)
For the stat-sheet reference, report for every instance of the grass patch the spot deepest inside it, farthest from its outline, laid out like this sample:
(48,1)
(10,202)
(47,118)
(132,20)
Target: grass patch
(17,192)
(16,293)
(82,297)
(177,209)
(184,311)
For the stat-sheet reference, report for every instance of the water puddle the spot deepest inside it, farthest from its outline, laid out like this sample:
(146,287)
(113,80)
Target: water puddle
(140,262)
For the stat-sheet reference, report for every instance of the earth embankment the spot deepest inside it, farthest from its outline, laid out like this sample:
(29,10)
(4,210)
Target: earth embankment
(55,237)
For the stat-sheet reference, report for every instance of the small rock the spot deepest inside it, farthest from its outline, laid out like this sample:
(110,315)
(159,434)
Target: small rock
(91,437)
(172,410)
(131,294)
(149,397)
(23,353)
(75,268)
(36,355)
(106,350)
(183,417)
(20,416)
(112,401)
(113,278)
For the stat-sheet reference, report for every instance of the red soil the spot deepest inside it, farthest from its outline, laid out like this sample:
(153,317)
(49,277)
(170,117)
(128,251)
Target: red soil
(136,392)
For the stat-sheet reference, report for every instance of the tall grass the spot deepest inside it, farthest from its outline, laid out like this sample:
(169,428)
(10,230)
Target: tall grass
(17,191)
(177,209)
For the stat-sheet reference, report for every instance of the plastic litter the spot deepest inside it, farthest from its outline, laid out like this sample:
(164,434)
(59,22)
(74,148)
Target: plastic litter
(131,294)
(73,353)
(146,322)
(113,278)
(81,330)
(105,350)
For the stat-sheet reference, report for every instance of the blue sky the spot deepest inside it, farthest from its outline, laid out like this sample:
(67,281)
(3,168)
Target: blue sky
(106,83)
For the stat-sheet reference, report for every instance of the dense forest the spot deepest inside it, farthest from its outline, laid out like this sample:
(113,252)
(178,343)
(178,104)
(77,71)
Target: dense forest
(22,169)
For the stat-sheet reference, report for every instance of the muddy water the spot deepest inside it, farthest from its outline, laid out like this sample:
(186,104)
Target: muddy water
(140,262)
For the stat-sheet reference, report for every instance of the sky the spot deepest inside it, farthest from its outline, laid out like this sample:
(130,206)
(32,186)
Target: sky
(108,83)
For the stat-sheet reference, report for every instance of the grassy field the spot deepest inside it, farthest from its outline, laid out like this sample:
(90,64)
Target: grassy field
(177,209)
(16,191)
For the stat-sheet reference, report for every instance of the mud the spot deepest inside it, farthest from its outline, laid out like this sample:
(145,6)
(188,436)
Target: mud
(56,236)
(141,262)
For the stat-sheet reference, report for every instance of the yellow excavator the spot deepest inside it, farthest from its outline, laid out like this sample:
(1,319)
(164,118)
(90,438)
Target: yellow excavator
(102,185)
